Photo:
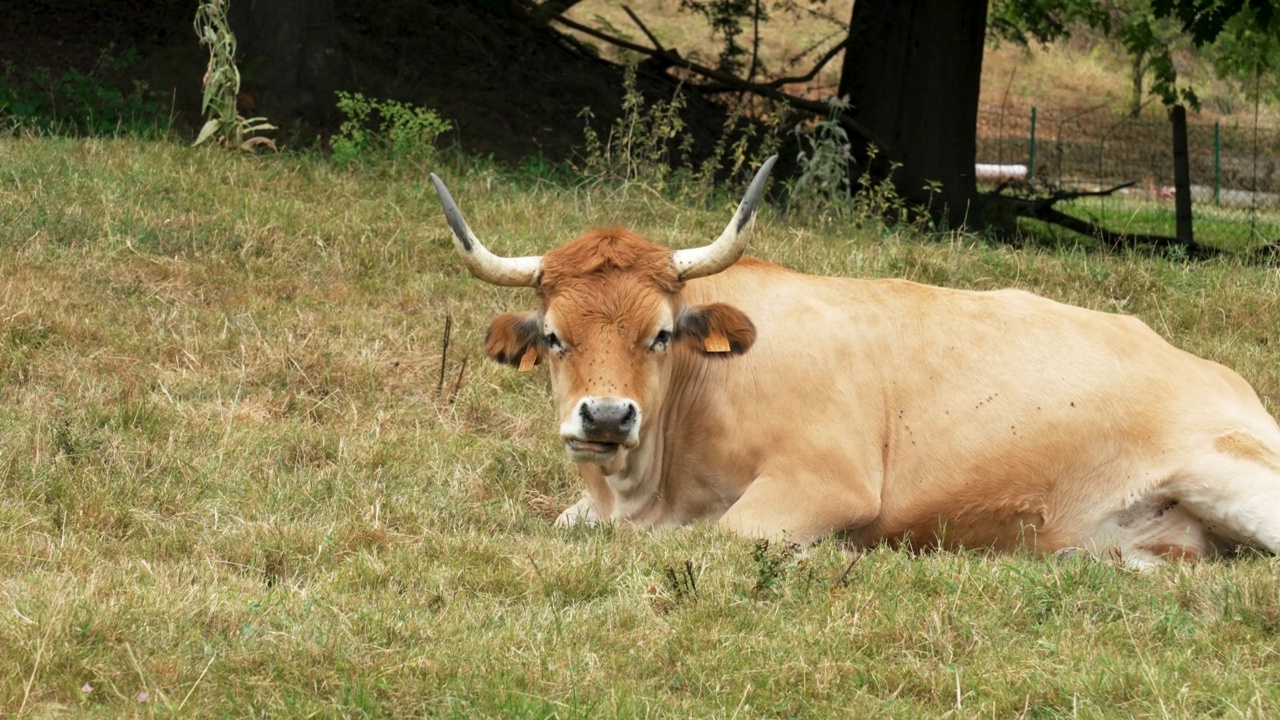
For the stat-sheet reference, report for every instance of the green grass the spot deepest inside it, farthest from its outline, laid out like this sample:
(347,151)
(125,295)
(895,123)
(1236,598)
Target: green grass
(228,480)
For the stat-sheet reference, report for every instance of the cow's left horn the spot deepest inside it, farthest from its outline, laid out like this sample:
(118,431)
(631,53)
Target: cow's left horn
(711,259)
(511,272)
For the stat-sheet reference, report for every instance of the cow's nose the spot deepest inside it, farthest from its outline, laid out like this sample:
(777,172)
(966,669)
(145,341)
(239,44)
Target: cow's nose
(609,419)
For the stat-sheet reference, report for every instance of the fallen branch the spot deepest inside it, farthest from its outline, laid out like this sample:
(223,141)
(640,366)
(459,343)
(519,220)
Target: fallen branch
(1042,209)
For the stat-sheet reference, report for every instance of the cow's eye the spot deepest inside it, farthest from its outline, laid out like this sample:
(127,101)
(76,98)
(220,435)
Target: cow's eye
(553,342)
(661,340)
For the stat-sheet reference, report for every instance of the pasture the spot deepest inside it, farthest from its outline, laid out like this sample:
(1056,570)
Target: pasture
(253,464)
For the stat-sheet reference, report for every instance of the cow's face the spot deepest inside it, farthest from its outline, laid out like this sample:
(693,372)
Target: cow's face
(611,322)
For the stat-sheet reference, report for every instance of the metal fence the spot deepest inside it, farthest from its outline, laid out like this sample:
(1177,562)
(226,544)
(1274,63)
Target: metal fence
(1235,170)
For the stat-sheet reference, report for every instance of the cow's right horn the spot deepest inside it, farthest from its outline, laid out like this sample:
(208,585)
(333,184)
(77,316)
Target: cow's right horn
(711,259)
(511,272)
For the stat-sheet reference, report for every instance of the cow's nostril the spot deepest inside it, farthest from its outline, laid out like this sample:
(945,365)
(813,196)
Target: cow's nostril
(628,418)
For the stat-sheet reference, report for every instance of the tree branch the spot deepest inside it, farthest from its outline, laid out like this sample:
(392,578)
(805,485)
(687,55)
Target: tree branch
(644,29)
(1042,209)
(672,58)
(552,9)
(817,68)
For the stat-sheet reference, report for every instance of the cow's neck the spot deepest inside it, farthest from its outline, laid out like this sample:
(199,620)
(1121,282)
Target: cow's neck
(656,480)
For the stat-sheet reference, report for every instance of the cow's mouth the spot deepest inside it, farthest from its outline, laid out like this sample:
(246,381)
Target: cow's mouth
(590,447)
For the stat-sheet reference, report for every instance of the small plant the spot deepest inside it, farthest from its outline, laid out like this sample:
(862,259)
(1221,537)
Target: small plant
(824,164)
(824,188)
(649,145)
(771,561)
(641,143)
(386,129)
(222,84)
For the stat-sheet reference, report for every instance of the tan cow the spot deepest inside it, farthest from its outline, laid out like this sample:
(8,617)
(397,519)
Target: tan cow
(693,385)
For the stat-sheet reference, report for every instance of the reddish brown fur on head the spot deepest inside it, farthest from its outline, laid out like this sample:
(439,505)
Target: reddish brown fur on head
(614,278)
(604,252)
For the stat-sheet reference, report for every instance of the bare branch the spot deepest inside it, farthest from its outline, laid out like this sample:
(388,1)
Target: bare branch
(643,29)
(817,68)
(1075,194)
(673,58)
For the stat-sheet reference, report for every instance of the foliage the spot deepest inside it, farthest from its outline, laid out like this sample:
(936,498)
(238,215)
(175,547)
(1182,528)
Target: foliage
(79,103)
(1044,21)
(386,130)
(726,18)
(1238,35)
(222,84)
(1249,51)
(1208,19)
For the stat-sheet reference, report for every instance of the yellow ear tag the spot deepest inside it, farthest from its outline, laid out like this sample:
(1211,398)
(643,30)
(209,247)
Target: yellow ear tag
(529,359)
(716,343)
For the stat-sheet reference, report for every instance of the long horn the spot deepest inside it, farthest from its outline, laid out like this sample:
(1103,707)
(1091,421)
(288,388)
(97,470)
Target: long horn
(711,259)
(511,272)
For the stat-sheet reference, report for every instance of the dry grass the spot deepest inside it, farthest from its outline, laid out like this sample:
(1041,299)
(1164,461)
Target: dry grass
(229,486)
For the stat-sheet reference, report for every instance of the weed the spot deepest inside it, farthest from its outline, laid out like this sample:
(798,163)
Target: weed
(386,130)
(823,191)
(645,145)
(649,146)
(822,185)
(222,84)
(771,561)
(680,581)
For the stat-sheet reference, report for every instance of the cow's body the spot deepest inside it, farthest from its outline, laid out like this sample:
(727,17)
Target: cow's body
(884,409)
(693,387)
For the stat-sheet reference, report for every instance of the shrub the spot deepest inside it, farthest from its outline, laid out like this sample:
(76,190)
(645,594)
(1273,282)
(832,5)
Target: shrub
(386,130)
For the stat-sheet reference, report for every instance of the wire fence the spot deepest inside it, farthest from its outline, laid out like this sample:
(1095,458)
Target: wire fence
(1235,169)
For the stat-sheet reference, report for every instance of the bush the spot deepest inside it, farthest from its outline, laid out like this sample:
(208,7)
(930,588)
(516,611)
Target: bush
(387,130)
(82,104)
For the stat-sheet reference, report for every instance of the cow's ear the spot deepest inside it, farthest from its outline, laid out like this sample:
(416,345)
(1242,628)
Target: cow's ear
(515,339)
(716,329)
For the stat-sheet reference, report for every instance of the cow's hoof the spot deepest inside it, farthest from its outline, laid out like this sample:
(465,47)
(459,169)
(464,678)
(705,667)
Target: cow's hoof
(1072,552)
(580,514)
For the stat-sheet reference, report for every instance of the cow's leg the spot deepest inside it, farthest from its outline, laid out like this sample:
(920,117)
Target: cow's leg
(1235,491)
(800,509)
(580,513)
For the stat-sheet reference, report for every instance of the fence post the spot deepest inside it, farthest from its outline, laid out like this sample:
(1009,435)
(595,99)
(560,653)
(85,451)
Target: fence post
(1217,165)
(1031,164)
(1181,175)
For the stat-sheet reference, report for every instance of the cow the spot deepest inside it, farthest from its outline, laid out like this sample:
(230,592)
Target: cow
(701,385)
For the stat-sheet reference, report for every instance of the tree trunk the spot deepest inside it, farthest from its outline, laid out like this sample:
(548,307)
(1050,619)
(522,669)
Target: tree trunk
(912,71)
(292,60)
(1139,70)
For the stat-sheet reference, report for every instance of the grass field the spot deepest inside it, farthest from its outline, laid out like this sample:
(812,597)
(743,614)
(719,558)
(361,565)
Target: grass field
(244,471)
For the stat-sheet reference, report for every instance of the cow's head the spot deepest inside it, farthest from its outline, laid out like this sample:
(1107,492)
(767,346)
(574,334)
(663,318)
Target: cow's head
(610,318)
